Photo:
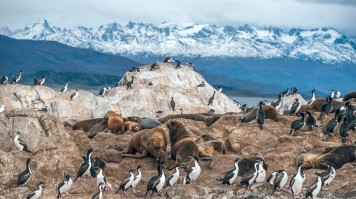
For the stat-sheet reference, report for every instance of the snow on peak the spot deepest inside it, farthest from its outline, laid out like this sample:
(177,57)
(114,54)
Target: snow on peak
(324,44)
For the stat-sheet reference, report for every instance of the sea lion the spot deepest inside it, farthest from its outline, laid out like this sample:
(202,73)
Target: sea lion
(210,148)
(144,122)
(335,156)
(182,144)
(96,129)
(320,101)
(348,96)
(115,122)
(86,125)
(270,113)
(147,142)
(208,120)
(132,126)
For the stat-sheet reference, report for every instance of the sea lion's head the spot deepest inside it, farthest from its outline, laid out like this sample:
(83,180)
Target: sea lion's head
(158,145)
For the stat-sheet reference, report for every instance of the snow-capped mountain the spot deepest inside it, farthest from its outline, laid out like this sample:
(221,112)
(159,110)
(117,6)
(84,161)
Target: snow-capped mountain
(322,44)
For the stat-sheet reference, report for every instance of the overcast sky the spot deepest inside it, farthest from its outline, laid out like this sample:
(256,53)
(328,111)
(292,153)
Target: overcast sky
(340,14)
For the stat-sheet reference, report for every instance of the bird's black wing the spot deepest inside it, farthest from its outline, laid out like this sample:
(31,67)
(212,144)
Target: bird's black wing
(23,177)
(83,168)
(30,195)
(153,182)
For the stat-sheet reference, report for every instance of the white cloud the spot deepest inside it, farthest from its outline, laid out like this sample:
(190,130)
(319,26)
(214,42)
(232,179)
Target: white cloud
(281,13)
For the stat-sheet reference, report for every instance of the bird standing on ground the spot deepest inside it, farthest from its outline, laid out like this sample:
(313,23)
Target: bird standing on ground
(25,176)
(297,125)
(172,103)
(129,84)
(231,175)
(37,193)
(211,99)
(260,116)
(64,186)
(65,88)
(21,145)
(74,95)
(156,183)
(17,78)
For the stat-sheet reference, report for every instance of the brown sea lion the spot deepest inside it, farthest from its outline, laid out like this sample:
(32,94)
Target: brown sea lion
(348,96)
(270,113)
(115,122)
(102,126)
(208,120)
(335,156)
(320,101)
(182,143)
(210,148)
(86,125)
(132,126)
(147,142)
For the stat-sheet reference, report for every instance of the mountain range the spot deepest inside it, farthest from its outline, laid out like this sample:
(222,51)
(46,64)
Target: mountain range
(323,44)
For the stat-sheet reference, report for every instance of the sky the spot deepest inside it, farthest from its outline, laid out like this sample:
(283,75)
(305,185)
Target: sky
(339,14)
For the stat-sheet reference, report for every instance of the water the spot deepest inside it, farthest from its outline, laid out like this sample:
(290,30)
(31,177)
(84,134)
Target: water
(252,101)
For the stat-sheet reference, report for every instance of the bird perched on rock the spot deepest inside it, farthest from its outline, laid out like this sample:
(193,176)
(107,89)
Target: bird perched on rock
(327,176)
(100,179)
(137,179)
(65,88)
(178,63)
(219,89)
(260,116)
(150,84)
(285,93)
(297,125)
(156,183)
(193,173)
(44,109)
(172,103)
(313,97)
(349,114)
(344,131)
(173,179)
(41,81)
(338,95)
(250,176)
(4,79)
(85,168)
(102,91)
(327,107)
(64,186)
(315,188)
(276,103)
(331,125)
(168,60)
(154,66)
(37,193)
(133,69)
(294,90)
(332,93)
(126,184)
(129,84)
(99,194)
(190,64)
(295,106)
(21,145)
(16,79)
(2,108)
(296,183)
(278,179)
(261,177)
(231,175)
(25,176)
(202,84)
(74,95)
(159,113)
(211,99)
(311,121)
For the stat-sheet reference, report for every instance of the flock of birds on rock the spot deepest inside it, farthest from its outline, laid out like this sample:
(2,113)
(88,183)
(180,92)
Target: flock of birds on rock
(278,179)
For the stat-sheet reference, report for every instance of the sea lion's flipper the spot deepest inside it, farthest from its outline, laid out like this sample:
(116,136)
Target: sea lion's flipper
(137,155)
